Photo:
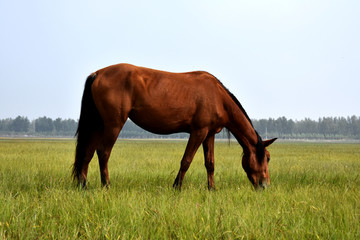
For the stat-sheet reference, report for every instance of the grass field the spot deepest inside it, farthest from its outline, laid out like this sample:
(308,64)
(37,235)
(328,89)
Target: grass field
(315,193)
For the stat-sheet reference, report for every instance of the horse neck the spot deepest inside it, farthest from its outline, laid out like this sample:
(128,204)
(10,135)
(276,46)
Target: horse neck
(241,128)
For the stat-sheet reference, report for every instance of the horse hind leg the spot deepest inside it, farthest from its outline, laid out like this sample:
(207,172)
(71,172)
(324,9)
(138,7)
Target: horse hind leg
(84,153)
(104,150)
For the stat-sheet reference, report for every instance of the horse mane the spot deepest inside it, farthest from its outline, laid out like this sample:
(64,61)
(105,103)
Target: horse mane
(260,149)
(236,102)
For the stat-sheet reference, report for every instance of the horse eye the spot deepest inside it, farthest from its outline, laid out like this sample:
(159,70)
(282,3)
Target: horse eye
(268,159)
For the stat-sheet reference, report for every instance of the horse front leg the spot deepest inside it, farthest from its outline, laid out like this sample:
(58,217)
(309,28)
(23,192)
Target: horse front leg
(195,140)
(208,146)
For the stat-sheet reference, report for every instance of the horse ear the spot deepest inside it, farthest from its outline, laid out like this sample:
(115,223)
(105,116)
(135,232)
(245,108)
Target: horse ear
(268,142)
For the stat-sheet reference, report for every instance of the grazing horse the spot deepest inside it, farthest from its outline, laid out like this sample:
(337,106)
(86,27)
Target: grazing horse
(164,103)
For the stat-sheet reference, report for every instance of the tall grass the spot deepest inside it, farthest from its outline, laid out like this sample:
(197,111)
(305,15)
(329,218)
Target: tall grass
(314,194)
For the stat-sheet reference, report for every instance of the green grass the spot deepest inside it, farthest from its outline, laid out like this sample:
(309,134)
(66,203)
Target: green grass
(315,193)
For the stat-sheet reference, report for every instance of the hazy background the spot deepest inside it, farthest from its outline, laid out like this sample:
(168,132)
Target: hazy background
(280,58)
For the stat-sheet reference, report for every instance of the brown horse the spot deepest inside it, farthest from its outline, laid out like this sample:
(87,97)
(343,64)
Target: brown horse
(164,103)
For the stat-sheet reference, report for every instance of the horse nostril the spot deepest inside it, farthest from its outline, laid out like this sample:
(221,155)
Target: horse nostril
(264,184)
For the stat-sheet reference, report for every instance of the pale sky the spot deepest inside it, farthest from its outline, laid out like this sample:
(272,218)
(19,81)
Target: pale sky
(280,58)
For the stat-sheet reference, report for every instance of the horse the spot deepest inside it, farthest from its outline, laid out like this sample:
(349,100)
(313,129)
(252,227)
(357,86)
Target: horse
(164,103)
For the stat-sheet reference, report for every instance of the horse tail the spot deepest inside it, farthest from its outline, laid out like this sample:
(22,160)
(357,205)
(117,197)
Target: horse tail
(90,122)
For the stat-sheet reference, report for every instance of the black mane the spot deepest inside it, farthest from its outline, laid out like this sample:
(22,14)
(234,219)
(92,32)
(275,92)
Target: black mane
(260,149)
(237,102)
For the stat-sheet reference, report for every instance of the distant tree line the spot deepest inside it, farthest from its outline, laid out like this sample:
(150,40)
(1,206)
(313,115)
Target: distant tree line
(323,128)
(42,126)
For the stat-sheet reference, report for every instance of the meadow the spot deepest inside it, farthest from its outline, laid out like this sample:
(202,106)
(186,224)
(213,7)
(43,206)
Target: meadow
(314,193)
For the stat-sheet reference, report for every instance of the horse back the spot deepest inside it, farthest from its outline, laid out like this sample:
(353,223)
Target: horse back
(159,101)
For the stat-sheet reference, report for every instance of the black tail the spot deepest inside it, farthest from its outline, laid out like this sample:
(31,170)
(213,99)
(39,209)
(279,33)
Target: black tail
(90,121)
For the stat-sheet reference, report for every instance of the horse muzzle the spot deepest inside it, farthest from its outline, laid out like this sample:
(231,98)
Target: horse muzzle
(262,185)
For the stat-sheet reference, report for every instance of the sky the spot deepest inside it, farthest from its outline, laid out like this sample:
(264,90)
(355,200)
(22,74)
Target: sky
(298,59)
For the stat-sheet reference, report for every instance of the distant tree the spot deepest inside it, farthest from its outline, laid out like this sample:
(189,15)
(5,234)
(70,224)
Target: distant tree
(69,126)
(306,126)
(20,124)
(271,126)
(354,126)
(44,124)
(58,125)
(327,126)
(5,124)
(342,126)
(283,126)
(262,126)
(65,127)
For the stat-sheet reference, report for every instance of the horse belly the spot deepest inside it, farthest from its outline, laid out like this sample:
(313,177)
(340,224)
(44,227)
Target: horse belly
(166,121)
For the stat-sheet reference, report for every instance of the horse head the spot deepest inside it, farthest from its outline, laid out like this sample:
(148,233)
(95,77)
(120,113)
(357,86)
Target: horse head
(256,162)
